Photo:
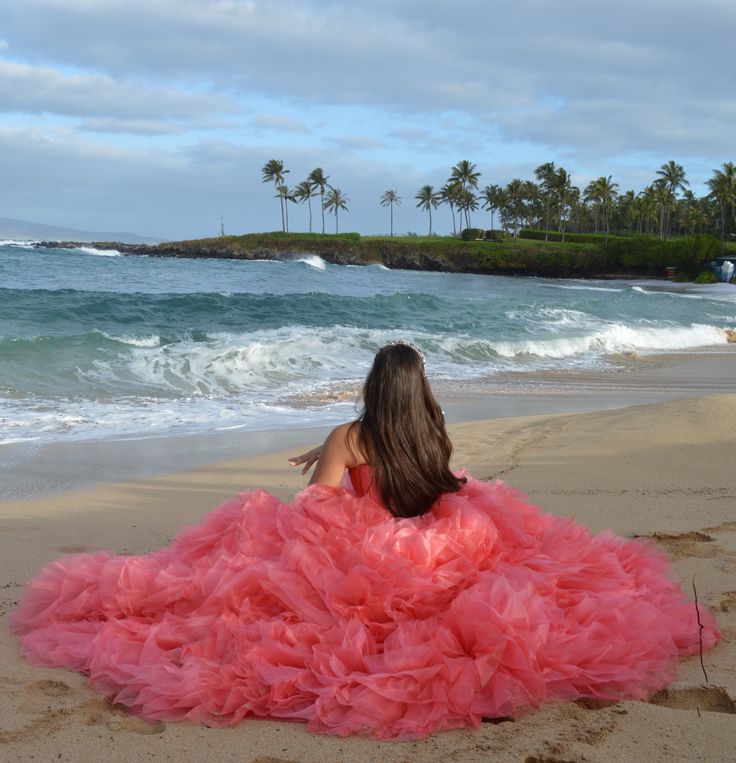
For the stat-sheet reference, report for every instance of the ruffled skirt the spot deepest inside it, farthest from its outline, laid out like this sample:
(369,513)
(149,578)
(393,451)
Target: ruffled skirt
(328,610)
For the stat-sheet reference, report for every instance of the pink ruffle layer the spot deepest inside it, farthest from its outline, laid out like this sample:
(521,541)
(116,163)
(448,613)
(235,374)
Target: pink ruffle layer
(328,610)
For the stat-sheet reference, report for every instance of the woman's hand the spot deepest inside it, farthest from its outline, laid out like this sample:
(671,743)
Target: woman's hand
(308,459)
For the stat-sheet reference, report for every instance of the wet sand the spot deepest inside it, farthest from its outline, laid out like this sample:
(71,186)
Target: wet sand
(27,471)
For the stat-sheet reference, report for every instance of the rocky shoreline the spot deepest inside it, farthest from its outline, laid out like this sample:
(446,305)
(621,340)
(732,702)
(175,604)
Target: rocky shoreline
(337,253)
(519,258)
(447,257)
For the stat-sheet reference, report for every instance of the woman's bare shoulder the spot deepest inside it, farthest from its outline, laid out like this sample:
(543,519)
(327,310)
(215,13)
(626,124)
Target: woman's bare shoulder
(338,453)
(346,437)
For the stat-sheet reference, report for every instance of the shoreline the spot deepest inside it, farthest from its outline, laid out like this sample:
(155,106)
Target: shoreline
(663,471)
(28,471)
(524,255)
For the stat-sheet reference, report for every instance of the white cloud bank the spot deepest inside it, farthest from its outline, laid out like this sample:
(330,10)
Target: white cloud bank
(394,90)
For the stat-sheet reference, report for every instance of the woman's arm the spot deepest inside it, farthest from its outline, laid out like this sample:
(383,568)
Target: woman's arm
(307,458)
(335,456)
(339,451)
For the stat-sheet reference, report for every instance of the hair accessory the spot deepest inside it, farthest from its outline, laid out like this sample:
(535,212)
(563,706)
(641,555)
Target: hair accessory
(408,344)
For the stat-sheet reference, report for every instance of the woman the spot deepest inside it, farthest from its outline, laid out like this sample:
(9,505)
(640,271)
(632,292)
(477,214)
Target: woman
(414,601)
(399,442)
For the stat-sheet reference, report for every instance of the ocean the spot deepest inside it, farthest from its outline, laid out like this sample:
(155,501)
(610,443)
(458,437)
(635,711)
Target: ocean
(95,345)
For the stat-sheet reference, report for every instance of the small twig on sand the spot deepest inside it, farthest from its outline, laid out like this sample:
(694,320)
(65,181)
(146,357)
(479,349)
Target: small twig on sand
(700,631)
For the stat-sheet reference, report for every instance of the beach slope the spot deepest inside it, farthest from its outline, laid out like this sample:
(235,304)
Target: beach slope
(666,471)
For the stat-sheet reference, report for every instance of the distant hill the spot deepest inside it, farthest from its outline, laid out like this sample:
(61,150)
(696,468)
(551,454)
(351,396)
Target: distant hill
(23,230)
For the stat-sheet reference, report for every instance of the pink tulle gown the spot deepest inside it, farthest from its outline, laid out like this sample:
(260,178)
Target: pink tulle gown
(329,610)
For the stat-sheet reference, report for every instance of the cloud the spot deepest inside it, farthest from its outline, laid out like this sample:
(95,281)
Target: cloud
(130,126)
(613,72)
(38,89)
(382,94)
(277,122)
(358,142)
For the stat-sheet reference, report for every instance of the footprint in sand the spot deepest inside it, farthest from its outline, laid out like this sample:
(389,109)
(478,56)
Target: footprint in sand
(99,712)
(713,699)
(727,602)
(681,545)
(72,549)
(42,696)
(49,704)
(725,527)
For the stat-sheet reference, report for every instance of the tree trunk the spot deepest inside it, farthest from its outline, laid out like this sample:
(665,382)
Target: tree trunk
(309,201)
(391,206)
(336,231)
(429,209)
(283,224)
(322,199)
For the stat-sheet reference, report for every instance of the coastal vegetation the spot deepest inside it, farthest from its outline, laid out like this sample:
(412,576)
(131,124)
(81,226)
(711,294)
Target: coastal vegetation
(580,255)
(665,209)
(547,228)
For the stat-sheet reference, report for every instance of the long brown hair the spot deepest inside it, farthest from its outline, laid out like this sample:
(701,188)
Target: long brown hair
(402,433)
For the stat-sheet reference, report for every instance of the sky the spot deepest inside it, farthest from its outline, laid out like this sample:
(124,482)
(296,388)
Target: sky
(156,116)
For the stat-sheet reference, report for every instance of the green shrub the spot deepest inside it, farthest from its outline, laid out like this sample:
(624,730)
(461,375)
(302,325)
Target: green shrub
(470,234)
(690,254)
(650,255)
(706,276)
(639,254)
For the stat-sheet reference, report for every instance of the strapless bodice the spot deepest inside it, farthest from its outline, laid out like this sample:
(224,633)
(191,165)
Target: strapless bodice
(362,477)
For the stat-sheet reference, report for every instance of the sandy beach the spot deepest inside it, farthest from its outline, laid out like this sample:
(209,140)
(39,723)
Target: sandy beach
(663,470)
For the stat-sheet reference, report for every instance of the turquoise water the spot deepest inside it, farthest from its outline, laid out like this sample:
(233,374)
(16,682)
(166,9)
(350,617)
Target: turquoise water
(96,345)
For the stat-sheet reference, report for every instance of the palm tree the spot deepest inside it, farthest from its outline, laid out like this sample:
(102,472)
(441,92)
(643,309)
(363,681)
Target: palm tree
(662,199)
(672,179)
(514,206)
(646,206)
(319,179)
(603,191)
(569,207)
(492,199)
(723,190)
(565,192)
(334,202)
(693,212)
(428,200)
(305,191)
(273,172)
(547,176)
(449,194)
(532,201)
(283,193)
(689,209)
(388,199)
(467,202)
(625,210)
(591,197)
(464,172)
